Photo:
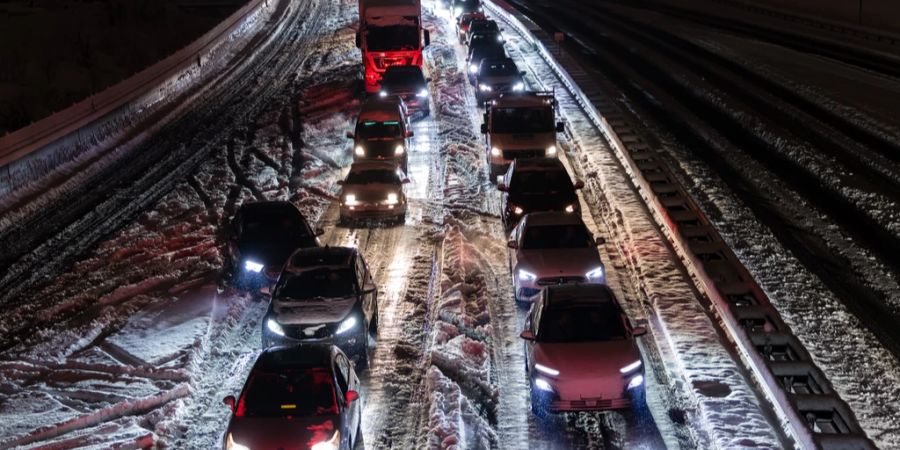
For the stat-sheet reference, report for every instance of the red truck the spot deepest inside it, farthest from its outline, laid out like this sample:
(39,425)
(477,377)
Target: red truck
(390,34)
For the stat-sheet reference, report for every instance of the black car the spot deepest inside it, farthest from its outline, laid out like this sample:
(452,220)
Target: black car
(497,76)
(484,49)
(261,236)
(483,30)
(297,397)
(536,184)
(408,83)
(325,295)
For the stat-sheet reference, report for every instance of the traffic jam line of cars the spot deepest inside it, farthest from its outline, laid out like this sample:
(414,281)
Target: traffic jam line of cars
(322,315)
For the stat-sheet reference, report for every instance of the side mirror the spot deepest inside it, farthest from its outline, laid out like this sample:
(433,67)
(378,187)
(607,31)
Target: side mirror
(410,134)
(351,397)
(484,128)
(265,290)
(560,127)
(523,73)
(349,135)
(502,187)
(340,182)
(405,181)
(319,231)
(427,36)
(599,240)
(638,331)
(428,80)
(229,402)
(369,287)
(512,244)
(528,335)
(579,184)
(358,41)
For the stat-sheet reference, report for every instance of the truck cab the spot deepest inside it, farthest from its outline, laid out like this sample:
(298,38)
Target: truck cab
(519,126)
(382,132)
(390,34)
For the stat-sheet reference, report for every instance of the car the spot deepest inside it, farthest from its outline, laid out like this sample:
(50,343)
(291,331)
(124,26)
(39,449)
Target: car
(325,295)
(549,248)
(260,237)
(581,351)
(482,50)
(482,26)
(497,76)
(382,131)
(297,398)
(477,37)
(536,184)
(463,22)
(373,190)
(408,83)
(459,7)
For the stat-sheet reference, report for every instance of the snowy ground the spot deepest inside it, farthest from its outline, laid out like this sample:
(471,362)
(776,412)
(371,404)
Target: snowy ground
(131,346)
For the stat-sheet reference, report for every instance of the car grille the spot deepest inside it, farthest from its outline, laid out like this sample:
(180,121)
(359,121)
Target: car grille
(560,280)
(382,63)
(513,154)
(308,331)
(590,404)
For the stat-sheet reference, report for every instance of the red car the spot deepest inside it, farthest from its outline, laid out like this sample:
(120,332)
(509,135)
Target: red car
(463,23)
(581,352)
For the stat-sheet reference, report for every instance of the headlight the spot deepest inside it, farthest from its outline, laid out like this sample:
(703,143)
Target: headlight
(570,208)
(473,68)
(253,266)
(331,444)
(595,274)
(631,367)
(382,94)
(495,151)
(423,93)
(542,384)
(274,327)
(398,150)
(525,275)
(551,150)
(484,88)
(231,445)
(350,200)
(546,370)
(499,38)
(635,381)
(346,325)
(391,199)
(517,210)
(519,87)
(360,151)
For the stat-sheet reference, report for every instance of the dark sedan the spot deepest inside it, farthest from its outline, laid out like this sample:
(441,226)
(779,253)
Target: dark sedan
(297,398)
(534,185)
(408,83)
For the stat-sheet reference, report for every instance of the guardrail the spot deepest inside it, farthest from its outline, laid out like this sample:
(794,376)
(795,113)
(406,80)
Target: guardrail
(805,401)
(156,79)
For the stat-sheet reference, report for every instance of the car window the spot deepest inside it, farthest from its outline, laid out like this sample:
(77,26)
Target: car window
(379,130)
(556,236)
(536,320)
(522,120)
(325,282)
(581,324)
(341,374)
(360,272)
(372,177)
(288,393)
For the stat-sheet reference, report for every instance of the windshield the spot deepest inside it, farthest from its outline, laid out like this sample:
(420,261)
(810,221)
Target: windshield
(270,226)
(373,176)
(522,120)
(325,282)
(540,182)
(288,393)
(391,38)
(499,69)
(485,37)
(379,130)
(556,236)
(581,324)
(484,25)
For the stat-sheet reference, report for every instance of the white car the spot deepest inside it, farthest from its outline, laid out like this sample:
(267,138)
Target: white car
(373,190)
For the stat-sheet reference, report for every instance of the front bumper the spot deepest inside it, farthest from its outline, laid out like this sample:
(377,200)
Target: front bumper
(555,402)
(351,343)
(373,211)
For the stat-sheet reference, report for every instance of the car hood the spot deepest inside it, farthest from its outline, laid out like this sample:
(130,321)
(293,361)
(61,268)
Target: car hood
(312,312)
(403,89)
(281,432)
(499,79)
(523,141)
(272,252)
(372,192)
(587,369)
(380,148)
(562,262)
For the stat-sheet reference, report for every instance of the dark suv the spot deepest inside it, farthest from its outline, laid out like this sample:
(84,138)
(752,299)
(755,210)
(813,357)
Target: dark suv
(260,238)
(324,295)
(536,184)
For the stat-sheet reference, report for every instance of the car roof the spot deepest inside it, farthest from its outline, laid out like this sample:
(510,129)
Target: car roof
(523,100)
(305,258)
(268,207)
(551,218)
(498,60)
(380,109)
(538,165)
(364,166)
(275,359)
(579,294)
